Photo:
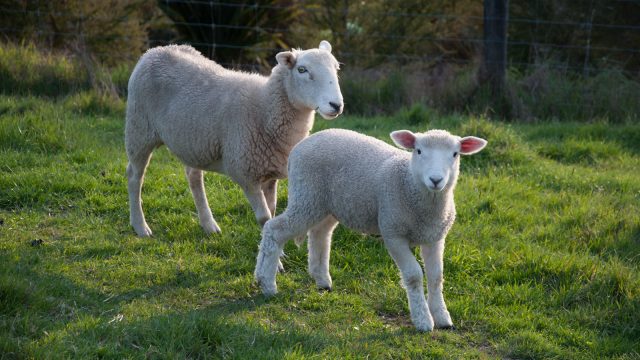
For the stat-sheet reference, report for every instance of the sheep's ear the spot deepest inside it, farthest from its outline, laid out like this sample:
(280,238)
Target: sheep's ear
(470,145)
(286,58)
(404,138)
(324,45)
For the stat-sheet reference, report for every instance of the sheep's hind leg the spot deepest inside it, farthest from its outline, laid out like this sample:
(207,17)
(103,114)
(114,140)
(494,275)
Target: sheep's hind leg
(138,162)
(432,257)
(196,184)
(275,234)
(412,279)
(256,198)
(319,251)
(270,191)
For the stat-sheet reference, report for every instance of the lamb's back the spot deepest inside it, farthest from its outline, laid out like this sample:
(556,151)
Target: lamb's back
(346,169)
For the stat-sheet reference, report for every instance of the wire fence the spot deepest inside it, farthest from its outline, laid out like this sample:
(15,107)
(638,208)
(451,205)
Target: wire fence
(582,39)
(591,28)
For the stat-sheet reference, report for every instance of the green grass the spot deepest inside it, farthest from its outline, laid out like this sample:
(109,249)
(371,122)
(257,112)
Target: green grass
(542,262)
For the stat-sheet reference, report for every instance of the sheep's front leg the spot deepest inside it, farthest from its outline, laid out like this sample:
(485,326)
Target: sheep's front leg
(270,191)
(196,184)
(256,198)
(412,280)
(432,257)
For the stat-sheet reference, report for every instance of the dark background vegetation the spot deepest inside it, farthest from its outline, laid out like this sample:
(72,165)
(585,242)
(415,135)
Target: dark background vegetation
(574,59)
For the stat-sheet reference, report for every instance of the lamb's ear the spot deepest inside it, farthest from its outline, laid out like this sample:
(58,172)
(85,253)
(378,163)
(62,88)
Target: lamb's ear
(324,45)
(286,58)
(470,145)
(404,138)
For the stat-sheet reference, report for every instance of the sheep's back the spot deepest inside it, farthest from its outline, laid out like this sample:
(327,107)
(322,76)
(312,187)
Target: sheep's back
(193,104)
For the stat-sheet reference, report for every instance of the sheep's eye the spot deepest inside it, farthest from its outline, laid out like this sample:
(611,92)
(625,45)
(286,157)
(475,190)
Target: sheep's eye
(419,151)
(302,69)
(455,154)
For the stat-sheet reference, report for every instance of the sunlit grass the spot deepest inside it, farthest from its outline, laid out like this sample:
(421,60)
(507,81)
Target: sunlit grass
(543,260)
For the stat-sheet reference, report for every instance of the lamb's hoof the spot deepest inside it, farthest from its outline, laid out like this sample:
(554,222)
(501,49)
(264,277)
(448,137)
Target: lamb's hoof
(143,231)
(447,327)
(423,325)
(280,267)
(424,328)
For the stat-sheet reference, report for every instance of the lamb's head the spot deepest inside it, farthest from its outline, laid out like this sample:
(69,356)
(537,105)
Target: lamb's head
(435,161)
(311,79)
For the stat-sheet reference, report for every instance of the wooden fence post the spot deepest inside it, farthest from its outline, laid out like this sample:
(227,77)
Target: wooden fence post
(494,54)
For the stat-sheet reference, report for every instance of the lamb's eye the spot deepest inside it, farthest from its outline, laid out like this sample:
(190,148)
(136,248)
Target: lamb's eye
(455,154)
(302,69)
(419,151)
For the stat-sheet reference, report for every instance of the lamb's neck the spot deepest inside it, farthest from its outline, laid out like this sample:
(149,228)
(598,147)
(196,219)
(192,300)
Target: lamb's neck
(421,197)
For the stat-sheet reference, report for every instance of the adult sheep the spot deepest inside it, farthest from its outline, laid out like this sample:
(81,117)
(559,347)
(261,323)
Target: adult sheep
(368,185)
(240,124)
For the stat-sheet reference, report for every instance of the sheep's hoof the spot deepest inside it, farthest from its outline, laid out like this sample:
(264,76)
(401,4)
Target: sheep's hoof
(263,220)
(211,229)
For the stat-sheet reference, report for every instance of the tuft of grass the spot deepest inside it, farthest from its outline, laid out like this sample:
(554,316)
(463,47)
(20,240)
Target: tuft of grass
(26,70)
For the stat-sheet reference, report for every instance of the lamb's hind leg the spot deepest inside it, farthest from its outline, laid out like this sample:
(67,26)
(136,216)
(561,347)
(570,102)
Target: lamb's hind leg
(138,161)
(275,234)
(196,184)
(319,251)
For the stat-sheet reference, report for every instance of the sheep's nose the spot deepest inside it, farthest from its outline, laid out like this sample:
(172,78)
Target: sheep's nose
(435,180)
(335,106)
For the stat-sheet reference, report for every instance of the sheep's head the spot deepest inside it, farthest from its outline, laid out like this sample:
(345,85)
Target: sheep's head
(312,79)
(436,154)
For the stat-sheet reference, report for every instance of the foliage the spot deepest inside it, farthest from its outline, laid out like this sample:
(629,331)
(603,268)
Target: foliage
(233,32)
(578,34)
(26,70)
(110,32)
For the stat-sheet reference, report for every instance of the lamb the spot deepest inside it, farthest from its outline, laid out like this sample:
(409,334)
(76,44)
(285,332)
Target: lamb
(240,124)
(370,186)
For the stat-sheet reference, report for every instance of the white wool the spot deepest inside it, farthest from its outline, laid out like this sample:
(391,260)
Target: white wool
(367,185)
(240,124)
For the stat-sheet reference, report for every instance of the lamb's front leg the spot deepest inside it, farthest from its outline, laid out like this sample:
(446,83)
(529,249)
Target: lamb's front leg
(412,279)
(432,257)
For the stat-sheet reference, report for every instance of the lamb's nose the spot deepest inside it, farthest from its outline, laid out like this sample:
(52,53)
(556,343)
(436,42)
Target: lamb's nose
(435,180)
(335,106)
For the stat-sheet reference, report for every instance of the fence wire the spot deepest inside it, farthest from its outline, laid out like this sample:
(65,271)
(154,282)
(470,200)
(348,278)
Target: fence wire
(582,52)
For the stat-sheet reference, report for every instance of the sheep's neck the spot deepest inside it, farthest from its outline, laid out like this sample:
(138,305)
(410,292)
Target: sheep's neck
(284,120)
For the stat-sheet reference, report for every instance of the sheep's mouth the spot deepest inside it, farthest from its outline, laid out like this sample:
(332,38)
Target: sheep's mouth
(328,116)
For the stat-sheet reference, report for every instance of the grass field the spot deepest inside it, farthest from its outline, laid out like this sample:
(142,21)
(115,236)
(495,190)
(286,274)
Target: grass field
(542,262)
